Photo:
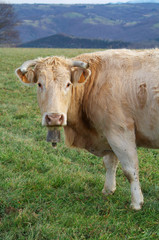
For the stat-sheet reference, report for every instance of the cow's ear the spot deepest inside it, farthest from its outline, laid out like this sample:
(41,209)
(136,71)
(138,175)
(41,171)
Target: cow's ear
(79,75)
(29,78)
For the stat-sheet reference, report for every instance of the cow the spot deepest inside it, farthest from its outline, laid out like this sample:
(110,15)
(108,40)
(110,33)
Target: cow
(107,102)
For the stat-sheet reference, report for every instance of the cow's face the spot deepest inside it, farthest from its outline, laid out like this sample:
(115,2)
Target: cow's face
(55,78)
(54,94)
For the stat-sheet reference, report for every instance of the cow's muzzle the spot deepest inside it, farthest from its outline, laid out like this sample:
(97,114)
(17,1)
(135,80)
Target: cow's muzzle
(54,119)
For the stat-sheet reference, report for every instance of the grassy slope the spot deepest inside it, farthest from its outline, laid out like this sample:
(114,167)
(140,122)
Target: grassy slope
(56,194)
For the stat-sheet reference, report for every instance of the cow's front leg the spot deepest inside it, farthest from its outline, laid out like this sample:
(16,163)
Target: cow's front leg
(110,162)
(123,145)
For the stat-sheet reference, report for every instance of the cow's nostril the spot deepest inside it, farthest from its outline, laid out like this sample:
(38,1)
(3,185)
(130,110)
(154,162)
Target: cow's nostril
(48,120)
(61,119)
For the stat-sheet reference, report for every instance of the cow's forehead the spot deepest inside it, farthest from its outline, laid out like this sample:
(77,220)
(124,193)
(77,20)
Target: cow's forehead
(53,69)
(53,62)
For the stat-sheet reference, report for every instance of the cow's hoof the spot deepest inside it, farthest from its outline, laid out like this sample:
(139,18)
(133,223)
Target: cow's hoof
(107,192)
(136,207)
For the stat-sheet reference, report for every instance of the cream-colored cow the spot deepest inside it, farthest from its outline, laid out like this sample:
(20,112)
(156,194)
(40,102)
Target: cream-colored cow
(107,102)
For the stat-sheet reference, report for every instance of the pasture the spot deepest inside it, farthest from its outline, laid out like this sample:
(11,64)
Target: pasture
(48,193)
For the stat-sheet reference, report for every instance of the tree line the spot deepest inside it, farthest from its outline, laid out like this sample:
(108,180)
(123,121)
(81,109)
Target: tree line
(8,23)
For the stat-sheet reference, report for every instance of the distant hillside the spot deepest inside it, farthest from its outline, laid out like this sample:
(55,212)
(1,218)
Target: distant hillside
(125,22)
(63,41)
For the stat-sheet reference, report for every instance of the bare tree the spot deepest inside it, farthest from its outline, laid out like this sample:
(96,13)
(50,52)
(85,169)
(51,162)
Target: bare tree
(8,33)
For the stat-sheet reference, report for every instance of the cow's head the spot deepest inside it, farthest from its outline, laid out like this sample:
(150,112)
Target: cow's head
(55,77)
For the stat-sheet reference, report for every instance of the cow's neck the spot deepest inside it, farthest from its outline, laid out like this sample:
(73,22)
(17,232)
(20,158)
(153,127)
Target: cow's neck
(82,96)
(79,125)
(77,116)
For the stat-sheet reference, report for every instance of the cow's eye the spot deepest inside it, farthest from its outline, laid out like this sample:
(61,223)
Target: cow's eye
(40,85)
(68,84)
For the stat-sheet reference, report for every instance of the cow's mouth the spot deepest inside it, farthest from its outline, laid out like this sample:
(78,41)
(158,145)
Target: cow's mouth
(53,136)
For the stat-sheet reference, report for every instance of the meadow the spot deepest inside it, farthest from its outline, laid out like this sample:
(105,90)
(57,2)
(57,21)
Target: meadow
(47,193)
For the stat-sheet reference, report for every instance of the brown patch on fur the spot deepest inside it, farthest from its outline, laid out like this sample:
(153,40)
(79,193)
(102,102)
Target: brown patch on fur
(142,95)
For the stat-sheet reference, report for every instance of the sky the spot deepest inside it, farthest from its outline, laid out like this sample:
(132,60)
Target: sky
(65,1)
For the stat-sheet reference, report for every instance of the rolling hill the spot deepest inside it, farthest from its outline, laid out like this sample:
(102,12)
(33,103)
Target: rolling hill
(133,23)
(64,41)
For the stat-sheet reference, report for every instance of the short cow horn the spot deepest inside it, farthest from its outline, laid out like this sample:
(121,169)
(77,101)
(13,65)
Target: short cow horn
(80,64)
(26,65)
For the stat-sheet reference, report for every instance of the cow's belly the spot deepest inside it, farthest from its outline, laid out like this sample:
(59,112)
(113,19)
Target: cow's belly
(98,147)
(146,141)
(95,144)
(147,131)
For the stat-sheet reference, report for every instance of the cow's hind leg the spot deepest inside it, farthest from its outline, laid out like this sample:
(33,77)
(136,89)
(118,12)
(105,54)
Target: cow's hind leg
(123,145)
(110,162)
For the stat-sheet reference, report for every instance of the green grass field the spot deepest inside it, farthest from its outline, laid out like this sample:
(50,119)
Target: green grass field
(48,193)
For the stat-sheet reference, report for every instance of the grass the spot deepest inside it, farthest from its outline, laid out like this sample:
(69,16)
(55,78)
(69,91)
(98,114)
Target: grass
(48,193)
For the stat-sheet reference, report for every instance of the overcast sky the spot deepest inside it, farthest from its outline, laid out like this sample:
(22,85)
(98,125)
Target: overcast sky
(64,1)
